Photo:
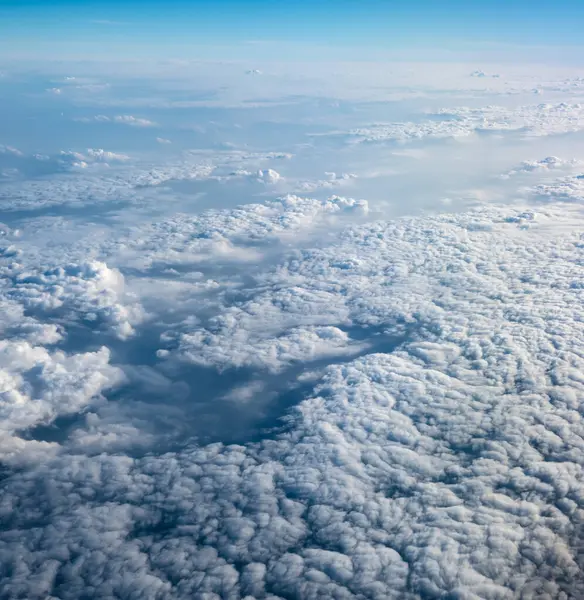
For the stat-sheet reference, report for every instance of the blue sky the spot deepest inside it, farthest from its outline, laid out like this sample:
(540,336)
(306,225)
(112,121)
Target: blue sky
(65,27)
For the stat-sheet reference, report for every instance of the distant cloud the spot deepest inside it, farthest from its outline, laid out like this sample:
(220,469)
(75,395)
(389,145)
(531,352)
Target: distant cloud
(528,121)
(79,159)
(332,181)
(122,119)
(482,74)
(550,163)
(267,176)
(10,150)
(133,121)
(564,189)
(163,140)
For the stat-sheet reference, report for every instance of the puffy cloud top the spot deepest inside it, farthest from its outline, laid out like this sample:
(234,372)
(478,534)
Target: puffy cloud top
(289,398)
(530,120)
(439,451)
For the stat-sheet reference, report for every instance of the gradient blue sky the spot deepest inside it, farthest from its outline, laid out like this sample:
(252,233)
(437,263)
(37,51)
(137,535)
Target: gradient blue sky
(65,27)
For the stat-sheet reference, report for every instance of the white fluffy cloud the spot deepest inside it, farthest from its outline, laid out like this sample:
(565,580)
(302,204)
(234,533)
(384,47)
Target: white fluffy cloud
(39,382)
(25,168)
(124,184)
(550,163)
(331,181)
(288,399)
(91,292)
(530,120)
(38,385)
(91,156)
(237,235)
(448,462)
(565,189)
(267,176)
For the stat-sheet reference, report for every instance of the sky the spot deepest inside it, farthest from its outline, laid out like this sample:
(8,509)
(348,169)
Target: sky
(291,301)
(204,29)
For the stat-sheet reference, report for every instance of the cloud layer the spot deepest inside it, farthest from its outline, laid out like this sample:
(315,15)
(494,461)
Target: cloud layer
(529,120)
(219,382)
(441,456)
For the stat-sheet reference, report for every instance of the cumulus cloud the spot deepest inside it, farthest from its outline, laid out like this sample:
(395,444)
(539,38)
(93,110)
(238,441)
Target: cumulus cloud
(91,156)
(91,292)
(26,167)
(267,176)
(298,345)
(530,120)
(287,399)
(332,181)
(38,386)
(238,235)
(39,383)
(550,163)
(96,188)
(104,155)
(447,464)
(564,189)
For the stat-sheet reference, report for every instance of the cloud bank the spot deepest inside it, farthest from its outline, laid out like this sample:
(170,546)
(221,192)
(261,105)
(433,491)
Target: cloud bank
(530,120)
(438,453)
(219,382)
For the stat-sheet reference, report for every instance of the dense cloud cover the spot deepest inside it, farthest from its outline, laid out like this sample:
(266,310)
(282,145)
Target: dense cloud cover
(447,462)
(219,382)
(531,120)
